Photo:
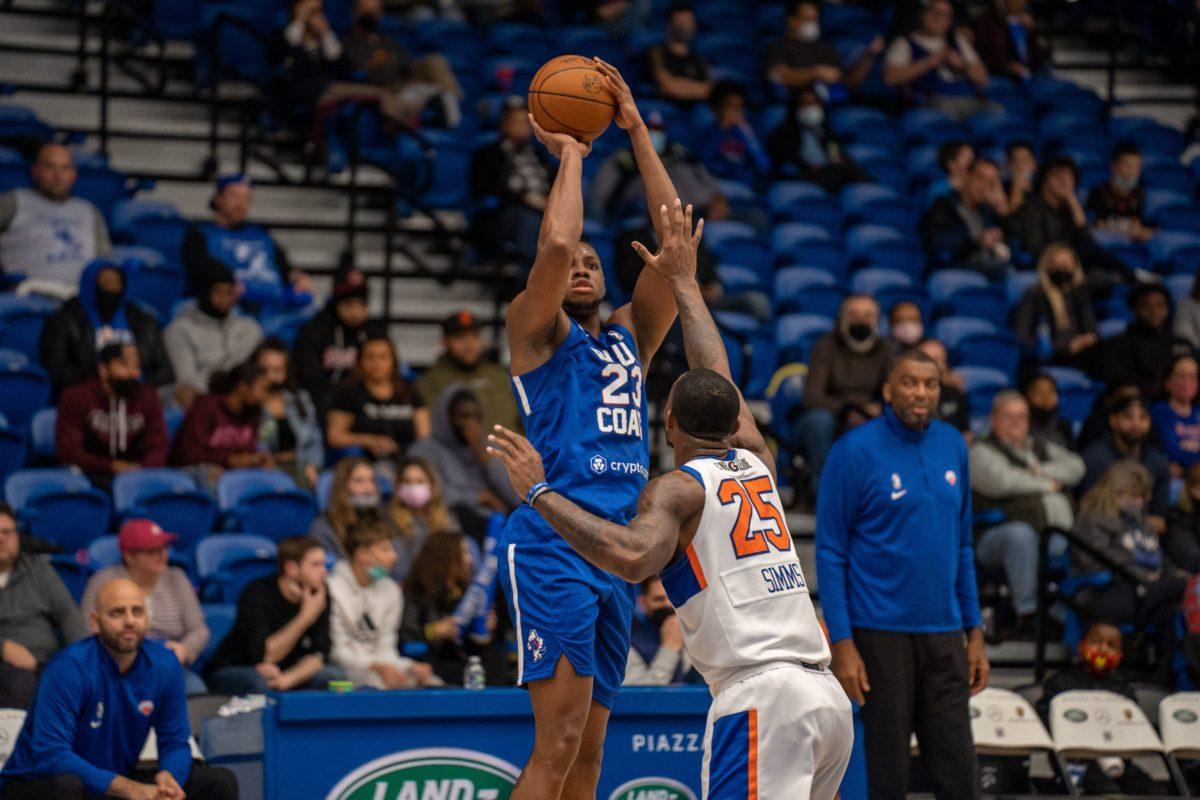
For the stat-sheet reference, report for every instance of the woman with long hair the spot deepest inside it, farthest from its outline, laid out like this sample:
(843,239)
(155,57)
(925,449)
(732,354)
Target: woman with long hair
(289,430)
(418,507)
(1112,518)
(1181,542)
(1056,312)
(1176,417)
(377,410)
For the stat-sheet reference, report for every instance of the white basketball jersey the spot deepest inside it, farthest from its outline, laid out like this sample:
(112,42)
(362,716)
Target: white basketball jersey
(738,589)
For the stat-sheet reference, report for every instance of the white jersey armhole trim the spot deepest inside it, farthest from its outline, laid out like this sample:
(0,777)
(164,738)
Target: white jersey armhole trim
(524,398)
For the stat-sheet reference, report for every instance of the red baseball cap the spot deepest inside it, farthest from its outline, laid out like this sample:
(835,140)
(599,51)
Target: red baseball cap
(143,534)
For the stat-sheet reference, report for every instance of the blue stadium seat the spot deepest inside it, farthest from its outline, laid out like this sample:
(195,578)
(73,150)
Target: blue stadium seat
(156,285)
(1179,219)
(796,333)
(164,234)
(823,301)
(73,574)
(889,174)
(998,350)
(871,280)
(861,239)
(21,320)
(925,124)
(1108,328)
(986,303)
(265,501)
(719,232)
(24,390)
(944,283)
(889,296)
(1158,200)
(982,384)
(1180,286)
(59,505)
(783,193)
(843,120)
(226,562)
(857,197)
(1168,176)
(733,351)
(14,171)
(219,617)
(451,176)
(104,551)
(1166,243)
(827,256)
(823,212)
(1075,402)
(170,498)
(789,238)
(736,280)
(794,279)
(950,331)
(1019,281)
(1067,376)
(893,213)
(104,186)
(41,430)
(12,451)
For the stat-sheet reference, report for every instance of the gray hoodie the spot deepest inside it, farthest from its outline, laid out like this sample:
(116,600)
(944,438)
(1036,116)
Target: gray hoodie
(199,345)
(37,611)
(463,477)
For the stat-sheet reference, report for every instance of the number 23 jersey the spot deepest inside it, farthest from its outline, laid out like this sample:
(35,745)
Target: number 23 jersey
(584,410)
(738,589)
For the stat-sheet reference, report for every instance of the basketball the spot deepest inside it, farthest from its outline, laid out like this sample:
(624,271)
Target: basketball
(568,95)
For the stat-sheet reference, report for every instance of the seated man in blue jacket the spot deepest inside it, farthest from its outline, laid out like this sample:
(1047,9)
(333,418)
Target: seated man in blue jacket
(97,701)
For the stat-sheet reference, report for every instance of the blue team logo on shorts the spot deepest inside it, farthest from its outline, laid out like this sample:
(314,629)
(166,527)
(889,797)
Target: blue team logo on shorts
(535,645)
(599,465)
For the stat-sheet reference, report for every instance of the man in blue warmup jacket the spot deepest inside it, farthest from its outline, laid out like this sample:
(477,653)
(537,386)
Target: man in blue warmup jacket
(897,575)
(95,705)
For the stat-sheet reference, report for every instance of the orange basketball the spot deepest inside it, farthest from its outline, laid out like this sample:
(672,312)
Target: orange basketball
(568,95)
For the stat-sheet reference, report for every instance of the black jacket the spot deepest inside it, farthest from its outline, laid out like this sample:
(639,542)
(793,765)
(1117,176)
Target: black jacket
(1034,309)
(1139,356)
(68,345)
(325,351)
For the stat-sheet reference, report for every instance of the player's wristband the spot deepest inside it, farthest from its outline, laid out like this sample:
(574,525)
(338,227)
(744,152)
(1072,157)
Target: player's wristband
(536,491)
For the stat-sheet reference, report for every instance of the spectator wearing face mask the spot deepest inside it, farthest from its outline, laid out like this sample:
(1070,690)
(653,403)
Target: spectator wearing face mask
(954,406)
(354,499)
(846,371)
(111,423)
(1041,392)
(905,327)
(678,71)
(1113,519)
(963,229)
(805,141)
(101,314)
(465,361)
(366,606)
(326,347)
(1054,320)
(1129,438)
(210,336)
(474,483)
(290,430)
(1176,417)
(801,58)
(1096,669)
(418,508)
(1119,204)
(1143,353)
(656,654)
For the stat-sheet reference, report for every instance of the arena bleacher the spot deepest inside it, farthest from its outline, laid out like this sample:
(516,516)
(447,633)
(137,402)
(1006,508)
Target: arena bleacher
(156,99)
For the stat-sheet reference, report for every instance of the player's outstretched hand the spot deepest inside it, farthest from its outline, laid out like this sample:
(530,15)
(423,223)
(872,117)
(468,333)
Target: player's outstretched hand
(557,142)
(676,256)
(524,464)
(628,115)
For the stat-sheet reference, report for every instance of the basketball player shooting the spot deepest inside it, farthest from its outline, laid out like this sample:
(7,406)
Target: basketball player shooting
(780,724)
(579,385)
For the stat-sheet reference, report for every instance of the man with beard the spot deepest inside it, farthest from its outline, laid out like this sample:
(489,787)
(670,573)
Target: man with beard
(579,381)
(97,702)
(464,362)
(897,570)
(1129,437)
(111,423)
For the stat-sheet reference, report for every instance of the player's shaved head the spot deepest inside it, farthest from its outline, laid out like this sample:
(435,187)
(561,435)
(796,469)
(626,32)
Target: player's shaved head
(705,405)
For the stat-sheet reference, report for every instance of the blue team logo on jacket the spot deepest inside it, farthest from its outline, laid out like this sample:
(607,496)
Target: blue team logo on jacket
(535,645)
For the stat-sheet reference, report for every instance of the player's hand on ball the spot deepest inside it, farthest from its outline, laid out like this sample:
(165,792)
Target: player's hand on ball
(628,115)
(676,256)
(524,464)
(556,143)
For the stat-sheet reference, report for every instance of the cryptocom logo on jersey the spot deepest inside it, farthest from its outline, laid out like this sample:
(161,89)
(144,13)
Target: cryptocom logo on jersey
(441,772)
(652,788)
(599,465)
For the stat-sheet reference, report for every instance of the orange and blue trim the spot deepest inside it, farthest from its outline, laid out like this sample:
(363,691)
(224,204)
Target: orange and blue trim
(683,578)
(733,765)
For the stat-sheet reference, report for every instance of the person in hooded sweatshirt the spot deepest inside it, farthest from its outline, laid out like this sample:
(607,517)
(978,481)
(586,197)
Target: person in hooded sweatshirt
(475,484)
(326,348)
(1143,354)
(209,336)
(112,422)
(101,314)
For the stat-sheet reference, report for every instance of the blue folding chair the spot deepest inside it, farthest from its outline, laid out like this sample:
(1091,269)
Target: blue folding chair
(59,505)
(41,429)
(265,501)
(983,302)
(1172,176)
(226,562)
(1179,218)
(219,617)
(1075,402)
(950,331)
(823,301)
(827,256)
(1166,244)
(856,197)
(171,498)
(822,212)
(104,551)
(12,451)
(73,574)
(795,279)
(789,238)
(21,321)
(24,390)
(891,213)
(862,239)
(103,186)
(795,335)
(156,285)
(943,284)
(998,350)
(783,193)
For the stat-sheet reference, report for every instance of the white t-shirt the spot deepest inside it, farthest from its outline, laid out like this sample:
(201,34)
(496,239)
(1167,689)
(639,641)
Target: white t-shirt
(899,53)
(4,576)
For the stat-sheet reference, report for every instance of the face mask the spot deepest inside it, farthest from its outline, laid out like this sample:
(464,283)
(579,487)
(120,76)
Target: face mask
(659,140)
(368,23)
(679,34)
(1130,508)
(1041,416)
(276,388)
(1124,185)
(908,333)
(1099,663)
(107,303)
(1061,278)
(377,573)
(123,387)
(810,31)
(810,116)
(659,616)
(363,502)
(415,495)
(860,332)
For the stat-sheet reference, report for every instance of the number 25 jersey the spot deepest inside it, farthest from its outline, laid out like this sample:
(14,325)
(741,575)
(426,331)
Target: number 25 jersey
(738,588)
(584,410)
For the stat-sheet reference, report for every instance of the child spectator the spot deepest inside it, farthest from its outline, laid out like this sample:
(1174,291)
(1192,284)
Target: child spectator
(220,430)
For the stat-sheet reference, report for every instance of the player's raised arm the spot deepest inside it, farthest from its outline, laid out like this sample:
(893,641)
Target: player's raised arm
(652,310)
(535,316)
(676,263)
(633,552)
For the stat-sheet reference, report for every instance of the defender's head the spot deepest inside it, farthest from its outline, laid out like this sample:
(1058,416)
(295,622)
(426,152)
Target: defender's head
(585,287)
(703,407)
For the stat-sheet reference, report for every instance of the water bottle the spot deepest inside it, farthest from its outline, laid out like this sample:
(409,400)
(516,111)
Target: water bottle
(474,677)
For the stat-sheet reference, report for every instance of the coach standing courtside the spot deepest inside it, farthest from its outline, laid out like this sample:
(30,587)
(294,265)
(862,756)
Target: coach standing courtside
(897,580)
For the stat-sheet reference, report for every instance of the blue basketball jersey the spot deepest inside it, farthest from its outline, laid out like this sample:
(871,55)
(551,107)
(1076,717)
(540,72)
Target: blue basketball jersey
(584,410)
